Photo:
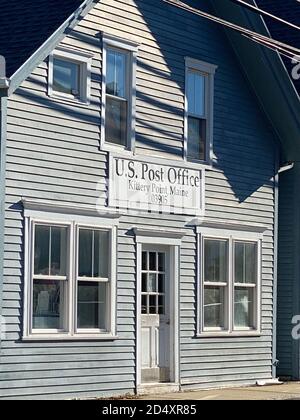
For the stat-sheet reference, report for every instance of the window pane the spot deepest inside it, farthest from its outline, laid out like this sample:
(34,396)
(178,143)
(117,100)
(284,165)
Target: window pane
(85,253)
(245,262)
(152,304)
(144,260)
(116,121)
(41,250)
(116,74)
(243,307)
(144,282)
(191,92)
(215,261)
(152,282)
(161,261)
(161,305)
(144,304)
(101,258)
(196,138)
(161,283)
(91,305)
(50,262)
(93,253)
(58,251)
(48,301)
(66,76)
(196,94)
(152,261)
(214,307)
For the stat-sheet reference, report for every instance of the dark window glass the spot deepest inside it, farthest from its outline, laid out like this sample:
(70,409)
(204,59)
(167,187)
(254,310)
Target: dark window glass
(93,253)
(144,260)
(116,74)
(66,76)
(50,250)
(116,98)
(152,261)
(116,121)
(245,262)
(48,298)
(41,250)
(243,307)
(215,261)
(196,138)
(196,92)
(214,307)
(91,312)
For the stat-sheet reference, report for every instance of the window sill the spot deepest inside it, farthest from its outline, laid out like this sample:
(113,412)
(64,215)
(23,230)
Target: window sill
(68,99)
(120,150)
(221,334)
(194,163)
(65,337)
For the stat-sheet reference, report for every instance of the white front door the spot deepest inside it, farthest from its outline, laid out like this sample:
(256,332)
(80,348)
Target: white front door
(155,314)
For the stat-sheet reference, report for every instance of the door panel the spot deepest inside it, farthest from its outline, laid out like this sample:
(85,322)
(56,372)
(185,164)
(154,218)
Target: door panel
(155,316)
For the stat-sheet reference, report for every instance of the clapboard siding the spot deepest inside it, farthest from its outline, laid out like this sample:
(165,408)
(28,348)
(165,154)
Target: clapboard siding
(53,153)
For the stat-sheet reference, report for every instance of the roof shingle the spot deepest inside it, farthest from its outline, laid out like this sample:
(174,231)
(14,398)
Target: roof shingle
(27,24)
(290,11)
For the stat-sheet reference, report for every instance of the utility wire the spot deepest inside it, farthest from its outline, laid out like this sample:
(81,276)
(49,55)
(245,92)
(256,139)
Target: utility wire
(270,43)
(273,48)
(260,11)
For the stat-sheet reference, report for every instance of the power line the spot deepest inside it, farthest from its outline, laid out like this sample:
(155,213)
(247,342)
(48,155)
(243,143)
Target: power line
(260,11)
(280,47)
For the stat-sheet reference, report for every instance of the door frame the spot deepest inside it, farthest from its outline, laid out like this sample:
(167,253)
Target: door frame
(172,240)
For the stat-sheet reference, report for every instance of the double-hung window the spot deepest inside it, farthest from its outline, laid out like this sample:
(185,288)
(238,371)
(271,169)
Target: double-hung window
(199,110)
(215,282)
(229,282)
(118,92)
(93,279)
(70,280)
(50,277)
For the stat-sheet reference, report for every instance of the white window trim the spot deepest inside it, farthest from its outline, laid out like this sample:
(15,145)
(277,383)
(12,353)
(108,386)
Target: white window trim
(74,223)
(84,60)
(231,236)
(209,72)
(131,48)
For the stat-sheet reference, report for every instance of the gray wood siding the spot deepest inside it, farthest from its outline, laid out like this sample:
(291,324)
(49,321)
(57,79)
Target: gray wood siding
(53,154)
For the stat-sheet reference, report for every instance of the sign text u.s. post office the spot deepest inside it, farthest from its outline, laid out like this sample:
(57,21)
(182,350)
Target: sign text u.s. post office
(137,184)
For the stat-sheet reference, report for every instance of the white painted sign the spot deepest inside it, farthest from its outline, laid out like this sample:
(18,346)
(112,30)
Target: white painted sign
(141,185)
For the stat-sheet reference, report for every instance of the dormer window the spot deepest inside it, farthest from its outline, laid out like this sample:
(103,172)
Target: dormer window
(70,75)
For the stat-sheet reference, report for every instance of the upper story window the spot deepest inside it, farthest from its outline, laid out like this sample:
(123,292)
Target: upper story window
(116,97)
(118,90)
(70,75)
(199,110)
(66,77)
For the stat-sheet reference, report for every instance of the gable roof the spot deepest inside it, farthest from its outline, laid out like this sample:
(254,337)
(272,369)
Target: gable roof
(290,11)
(27,24)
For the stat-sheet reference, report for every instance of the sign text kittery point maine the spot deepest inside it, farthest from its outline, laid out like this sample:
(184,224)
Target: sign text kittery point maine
(140,185)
